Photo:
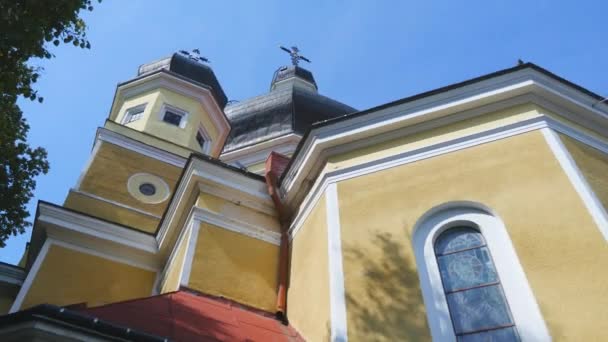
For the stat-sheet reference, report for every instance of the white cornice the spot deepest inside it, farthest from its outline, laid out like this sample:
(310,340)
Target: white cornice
(227,183)
(258,153)
(541,122)
(373,127)
(168,81)
(98,236)
(238,226)
(111,137)
(10,274)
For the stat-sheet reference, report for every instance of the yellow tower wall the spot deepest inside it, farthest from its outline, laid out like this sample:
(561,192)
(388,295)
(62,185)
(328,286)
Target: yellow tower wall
(308,293)
(67,276)
(559,246)
(236,267)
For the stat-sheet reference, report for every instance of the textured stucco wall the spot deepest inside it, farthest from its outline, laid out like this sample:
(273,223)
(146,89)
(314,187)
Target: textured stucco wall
(68,277)
(308,294)
(235,266)
(560,248)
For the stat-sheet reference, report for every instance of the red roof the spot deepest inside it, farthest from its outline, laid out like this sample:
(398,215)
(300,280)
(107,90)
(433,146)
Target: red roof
(186,316)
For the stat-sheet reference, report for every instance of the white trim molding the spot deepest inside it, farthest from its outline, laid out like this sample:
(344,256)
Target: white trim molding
(590,200)
(105,135)
(258,153)
(525,310)
(389,122)
(31,275)
(202,215)
(10,274)
(337,294)
(201,175)
(118,204)
(541,122)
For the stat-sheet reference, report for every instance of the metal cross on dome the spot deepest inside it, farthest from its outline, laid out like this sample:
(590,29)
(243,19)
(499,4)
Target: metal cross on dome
(294,52)
(195,55)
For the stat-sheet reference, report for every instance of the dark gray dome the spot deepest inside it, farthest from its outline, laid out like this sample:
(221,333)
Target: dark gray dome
(191,69)
(292,106)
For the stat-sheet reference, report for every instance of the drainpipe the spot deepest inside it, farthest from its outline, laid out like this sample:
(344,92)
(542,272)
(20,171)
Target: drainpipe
(275,165)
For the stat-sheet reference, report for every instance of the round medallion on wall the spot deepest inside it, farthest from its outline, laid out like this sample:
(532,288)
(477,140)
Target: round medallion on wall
(148,188)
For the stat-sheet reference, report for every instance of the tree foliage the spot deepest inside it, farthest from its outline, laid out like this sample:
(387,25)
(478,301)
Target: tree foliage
(27,29)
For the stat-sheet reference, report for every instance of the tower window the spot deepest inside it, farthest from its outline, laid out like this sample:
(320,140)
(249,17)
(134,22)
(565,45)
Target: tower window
(474,294)
(200,139)
(134,114)
(174,116)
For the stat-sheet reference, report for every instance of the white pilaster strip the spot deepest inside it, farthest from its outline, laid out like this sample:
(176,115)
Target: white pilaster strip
(336,272)
(30,277)
(187,267)
(595,207)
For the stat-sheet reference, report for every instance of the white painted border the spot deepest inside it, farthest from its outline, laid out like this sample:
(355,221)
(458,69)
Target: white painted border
(577,106)
(537,123)
(31,275)
(237,226)
(524,308)
(186,268)
(118,204)
(339,331)
(591,202)
(123,141)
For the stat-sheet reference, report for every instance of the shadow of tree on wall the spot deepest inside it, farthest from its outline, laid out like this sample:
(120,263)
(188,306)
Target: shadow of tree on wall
(388,305)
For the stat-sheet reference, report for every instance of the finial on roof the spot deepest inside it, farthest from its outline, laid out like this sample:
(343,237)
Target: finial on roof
(195,55)
(520,61)
(294,52)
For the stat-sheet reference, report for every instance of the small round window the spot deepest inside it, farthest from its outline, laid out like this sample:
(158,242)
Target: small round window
(147,189)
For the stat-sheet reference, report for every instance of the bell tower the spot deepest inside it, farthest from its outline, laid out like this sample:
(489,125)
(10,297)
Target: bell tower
(177,99)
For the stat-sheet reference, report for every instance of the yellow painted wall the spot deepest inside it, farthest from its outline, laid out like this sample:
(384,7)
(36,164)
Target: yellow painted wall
(67,277)
(561,250)
(109,173)
(308,294)
(149,98)
(172,283)
(8,293)
(235,266)
(593,164)
(238,212)
(111,212)
(181,136)
(446,133)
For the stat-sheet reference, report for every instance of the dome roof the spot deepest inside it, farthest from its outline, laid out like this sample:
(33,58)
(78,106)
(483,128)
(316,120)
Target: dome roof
(191,68)
(292,106)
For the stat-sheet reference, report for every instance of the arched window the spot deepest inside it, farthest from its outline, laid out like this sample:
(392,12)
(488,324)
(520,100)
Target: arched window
(476,301)
(473,285)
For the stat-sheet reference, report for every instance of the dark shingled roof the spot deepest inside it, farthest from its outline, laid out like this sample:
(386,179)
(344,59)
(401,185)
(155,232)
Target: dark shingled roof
(291,106)
(189,68)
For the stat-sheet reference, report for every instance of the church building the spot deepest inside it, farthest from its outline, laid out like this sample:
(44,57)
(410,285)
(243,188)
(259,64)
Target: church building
(472,212)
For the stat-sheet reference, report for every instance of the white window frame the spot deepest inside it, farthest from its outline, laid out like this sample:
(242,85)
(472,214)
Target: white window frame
(129,113)
(207,145)
(184,114)
(524,308)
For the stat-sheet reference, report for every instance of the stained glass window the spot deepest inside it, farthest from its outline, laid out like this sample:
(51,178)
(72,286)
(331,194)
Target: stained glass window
(476,301)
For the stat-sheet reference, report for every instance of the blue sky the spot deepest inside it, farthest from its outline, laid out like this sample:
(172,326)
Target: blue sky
(364,53)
